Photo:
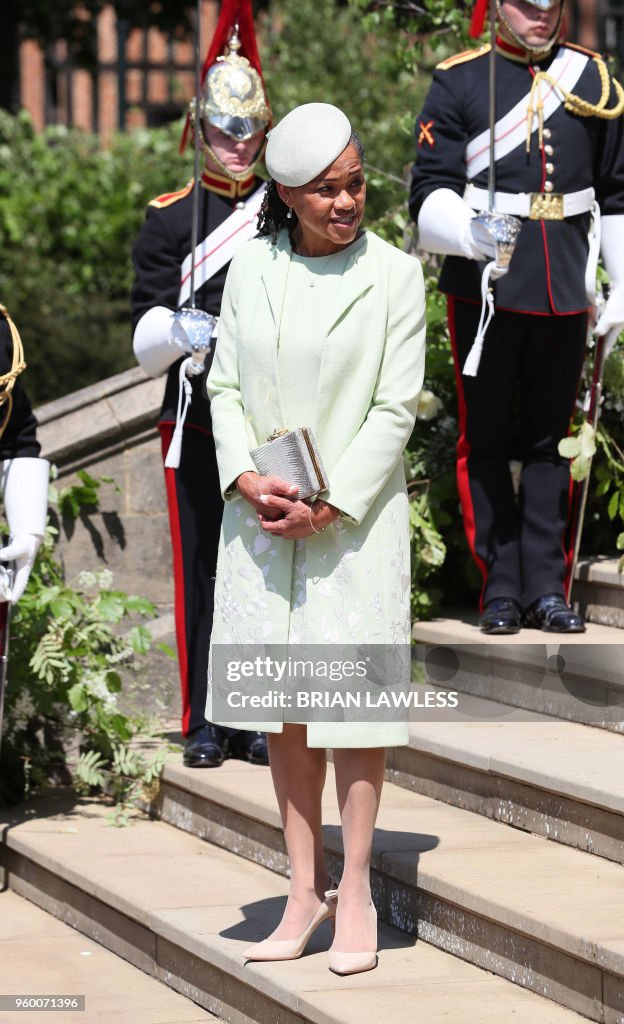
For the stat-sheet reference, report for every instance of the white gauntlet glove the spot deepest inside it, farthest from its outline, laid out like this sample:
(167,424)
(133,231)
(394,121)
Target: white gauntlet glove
(445,225)
(155,347)
(612,247)
(24,484)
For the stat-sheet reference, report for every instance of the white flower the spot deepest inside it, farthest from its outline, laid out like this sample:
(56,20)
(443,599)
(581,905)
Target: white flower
(22,711)
(87,579)
(429,405)
(105,579)
(95,684)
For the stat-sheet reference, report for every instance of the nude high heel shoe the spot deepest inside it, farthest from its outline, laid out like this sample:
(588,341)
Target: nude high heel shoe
(291,949)
(353,963)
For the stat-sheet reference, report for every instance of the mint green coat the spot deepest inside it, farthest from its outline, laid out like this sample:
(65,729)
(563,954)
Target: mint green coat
(351,583)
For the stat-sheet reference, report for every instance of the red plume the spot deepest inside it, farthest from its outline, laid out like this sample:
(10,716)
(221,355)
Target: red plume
(233,12)
(477,23)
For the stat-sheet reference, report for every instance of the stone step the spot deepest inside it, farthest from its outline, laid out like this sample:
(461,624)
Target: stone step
(557,779)
(40,955)
(599,591)
(579,678)
(541,914)
(184,911)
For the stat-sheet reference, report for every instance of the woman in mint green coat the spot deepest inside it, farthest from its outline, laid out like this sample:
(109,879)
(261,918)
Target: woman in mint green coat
(321,324)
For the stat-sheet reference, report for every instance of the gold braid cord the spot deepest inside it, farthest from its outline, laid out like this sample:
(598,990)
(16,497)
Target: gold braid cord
(7,380)
(576,105)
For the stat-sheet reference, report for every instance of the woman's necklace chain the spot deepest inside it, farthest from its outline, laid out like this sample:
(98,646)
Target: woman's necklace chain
(319,267)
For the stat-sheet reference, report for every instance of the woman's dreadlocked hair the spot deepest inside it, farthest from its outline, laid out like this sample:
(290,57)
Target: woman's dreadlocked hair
(272,216)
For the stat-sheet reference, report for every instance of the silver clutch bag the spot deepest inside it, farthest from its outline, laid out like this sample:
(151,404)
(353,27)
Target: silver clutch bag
(294,456)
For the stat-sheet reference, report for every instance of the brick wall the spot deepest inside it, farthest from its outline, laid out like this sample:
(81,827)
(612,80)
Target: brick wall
(159,78)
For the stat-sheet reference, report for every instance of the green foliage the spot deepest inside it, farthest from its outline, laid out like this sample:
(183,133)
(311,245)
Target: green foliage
(130,779)
(69,214)
(601,457)
(428,30)
(328,52)
(580,448)
(67,655)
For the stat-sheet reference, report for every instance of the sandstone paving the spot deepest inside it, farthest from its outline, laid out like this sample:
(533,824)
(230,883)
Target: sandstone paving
(465,630)
(213,905)
(561,895)
(41,955)
(450,1003)
(564,757)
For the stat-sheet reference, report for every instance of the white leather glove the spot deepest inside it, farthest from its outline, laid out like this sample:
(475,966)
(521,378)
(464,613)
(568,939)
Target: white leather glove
(154,345)
(612,248)
(24,484)
(445,226)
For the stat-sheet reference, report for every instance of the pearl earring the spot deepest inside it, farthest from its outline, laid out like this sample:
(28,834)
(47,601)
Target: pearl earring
(289,213)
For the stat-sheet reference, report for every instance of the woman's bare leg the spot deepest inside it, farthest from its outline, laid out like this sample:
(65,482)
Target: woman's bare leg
(359,780)
(298,777)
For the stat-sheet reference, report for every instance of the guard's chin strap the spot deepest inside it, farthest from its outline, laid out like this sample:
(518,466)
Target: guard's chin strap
(487,315)
(535,53)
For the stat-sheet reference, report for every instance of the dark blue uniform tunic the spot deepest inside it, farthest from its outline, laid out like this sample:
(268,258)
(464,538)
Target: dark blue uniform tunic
(533,352)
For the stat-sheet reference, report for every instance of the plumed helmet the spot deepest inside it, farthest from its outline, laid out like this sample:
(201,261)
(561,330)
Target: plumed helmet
(232,94)
(233,97)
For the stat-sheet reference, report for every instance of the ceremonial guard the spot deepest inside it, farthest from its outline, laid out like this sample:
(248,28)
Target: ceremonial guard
(23,475)
(232,121)
(519,327)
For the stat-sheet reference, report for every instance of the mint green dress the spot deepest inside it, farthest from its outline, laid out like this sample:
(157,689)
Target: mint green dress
(334,343)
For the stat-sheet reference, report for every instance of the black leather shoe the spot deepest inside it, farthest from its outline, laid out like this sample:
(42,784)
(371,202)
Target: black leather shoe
(249,746)
(206,747)
(501,615)
(551,614)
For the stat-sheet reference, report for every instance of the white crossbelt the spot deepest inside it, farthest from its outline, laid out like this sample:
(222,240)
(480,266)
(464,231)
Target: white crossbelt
(511,130)
(519,204)
(219,246)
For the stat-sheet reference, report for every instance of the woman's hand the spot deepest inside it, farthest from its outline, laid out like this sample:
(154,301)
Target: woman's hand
(255,489)
(297,519)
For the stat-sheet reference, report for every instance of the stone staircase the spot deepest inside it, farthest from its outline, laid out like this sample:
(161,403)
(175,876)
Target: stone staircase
(599,591)
(498,867)
(497,874)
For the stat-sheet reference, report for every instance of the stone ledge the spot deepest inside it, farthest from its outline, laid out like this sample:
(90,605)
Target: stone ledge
(600,570)
(42,954)
(110,412)
(185,911)
(527,909)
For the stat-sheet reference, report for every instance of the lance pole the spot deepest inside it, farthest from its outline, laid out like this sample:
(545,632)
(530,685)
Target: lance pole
(604,344)
(5,621)
(196,148)
(492,97)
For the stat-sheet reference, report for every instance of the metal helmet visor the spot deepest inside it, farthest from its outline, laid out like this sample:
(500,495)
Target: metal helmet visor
(544,5)
(233,98)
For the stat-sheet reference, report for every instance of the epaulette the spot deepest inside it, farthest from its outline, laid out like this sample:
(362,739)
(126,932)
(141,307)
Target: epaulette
(582,49)
(170,197)
(461,58)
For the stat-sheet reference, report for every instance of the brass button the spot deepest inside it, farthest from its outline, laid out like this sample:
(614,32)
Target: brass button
(550,168)
(547,133)
(548,150)
(548,186)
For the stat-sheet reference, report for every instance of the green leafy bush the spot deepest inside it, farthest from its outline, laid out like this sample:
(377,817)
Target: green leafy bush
(69,213)
(71,642)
